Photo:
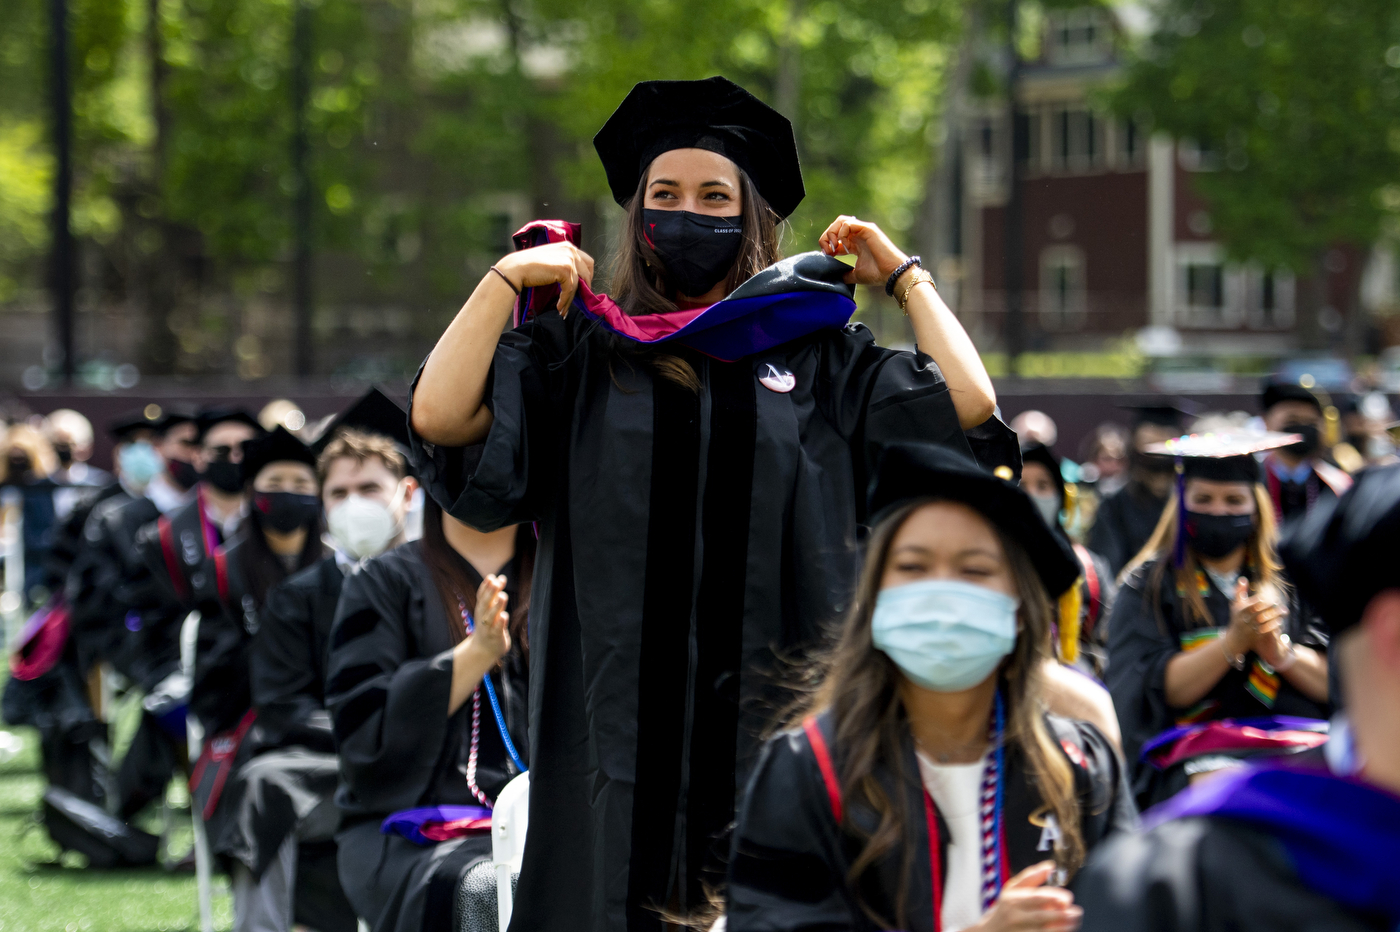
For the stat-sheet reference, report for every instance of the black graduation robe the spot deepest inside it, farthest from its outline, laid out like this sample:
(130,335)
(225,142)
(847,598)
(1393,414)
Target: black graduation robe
(1145,632)
(175,551)
(790,858)
(686,539)
(390,676)
(1124,523)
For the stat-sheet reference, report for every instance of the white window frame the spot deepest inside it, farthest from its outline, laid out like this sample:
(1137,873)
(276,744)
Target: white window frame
(1071,313)
(1099,49)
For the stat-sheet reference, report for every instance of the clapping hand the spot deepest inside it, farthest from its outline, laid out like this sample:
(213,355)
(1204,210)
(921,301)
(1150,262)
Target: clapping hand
(491,635)
(1027,905)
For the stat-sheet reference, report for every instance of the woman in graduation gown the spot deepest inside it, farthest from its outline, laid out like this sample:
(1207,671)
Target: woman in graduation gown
(415,720)
(1205,626)
(924,786)
(241,768)
(1291,847)
(696,466)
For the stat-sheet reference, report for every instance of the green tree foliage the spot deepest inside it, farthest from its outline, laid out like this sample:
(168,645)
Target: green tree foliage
(1298,101)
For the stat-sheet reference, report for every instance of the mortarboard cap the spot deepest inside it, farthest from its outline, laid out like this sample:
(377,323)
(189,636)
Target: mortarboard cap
(280,445)
(1343,552)
(219,414)
(1276,391)
(714,114)
(1223,457)
(1164,412)
(909,471)
(373,413)
(129,422)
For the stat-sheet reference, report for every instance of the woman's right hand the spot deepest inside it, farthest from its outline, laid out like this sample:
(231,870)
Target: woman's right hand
(1249,616)
(563,264)
(491,636)
(1027,904)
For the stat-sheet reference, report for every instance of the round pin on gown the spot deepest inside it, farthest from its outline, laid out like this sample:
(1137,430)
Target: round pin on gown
(776,378)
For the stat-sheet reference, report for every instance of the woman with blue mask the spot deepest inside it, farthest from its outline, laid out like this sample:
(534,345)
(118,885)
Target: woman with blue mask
(924,786)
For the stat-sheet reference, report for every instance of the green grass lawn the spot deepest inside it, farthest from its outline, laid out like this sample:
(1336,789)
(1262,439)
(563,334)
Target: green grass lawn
(43,891)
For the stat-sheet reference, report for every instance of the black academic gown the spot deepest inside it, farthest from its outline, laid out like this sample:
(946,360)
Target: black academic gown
(1204,875)
(1145,631)
(390,678)
(790,859)
(686,539)
(1124,523)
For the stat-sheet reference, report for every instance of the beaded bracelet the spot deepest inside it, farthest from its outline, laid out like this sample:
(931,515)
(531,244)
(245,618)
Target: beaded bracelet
(903,267)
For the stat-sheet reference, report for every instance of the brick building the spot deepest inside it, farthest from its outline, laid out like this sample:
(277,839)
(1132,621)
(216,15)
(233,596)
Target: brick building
(1114,237)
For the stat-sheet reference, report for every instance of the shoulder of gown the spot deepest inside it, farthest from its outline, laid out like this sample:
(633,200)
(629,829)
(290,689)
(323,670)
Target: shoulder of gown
(1200,875)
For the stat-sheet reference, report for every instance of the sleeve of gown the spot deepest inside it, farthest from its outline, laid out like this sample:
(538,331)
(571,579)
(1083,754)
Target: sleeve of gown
(1105,537)
(1146,883)
(219,691)
(283,670)
(501,481)
(784,873)
(1138,651)
(88,589)
(388,709)
(1111,809)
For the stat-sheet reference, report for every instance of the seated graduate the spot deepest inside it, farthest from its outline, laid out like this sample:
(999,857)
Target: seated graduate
(1207,630)
(1303,843)
(280,535)
(927,787)
(121,615)
(427,688)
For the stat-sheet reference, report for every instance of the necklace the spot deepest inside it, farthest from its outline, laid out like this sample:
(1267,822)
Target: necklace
(475,745)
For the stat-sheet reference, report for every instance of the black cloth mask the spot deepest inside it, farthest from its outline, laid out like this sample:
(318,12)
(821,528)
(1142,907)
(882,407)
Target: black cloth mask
(698,250)
(286,511)
(1216,536)
(224,476)
(182,473)
(1309,444)
(64,452)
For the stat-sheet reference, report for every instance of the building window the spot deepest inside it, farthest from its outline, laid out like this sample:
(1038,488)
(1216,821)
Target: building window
(1062,291)
(1076,140)
(1197,156)
(1132,145)
(1213,294)
(1270,298)
(1078,37)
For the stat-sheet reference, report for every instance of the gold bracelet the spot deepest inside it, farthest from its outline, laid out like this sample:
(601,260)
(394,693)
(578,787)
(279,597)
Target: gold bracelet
(919,278)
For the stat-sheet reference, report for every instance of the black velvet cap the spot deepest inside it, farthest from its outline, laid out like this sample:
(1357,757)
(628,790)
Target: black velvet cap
(278,446)
(1275,391)
(1040,453)
(218,414)
(909,471)
(714,114)
(1223,457)
(1344,551)
(373,413)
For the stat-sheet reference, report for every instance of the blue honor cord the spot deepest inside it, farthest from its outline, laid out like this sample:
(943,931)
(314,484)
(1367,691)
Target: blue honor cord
(496,705)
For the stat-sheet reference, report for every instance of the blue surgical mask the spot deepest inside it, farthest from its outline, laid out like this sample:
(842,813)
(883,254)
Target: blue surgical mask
(139,462)
(946,635)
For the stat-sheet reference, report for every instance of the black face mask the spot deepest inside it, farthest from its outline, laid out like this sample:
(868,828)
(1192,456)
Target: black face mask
(286,511)
(18,468)
(1216,536)
(64,452)
(224,476)
(698,250)
(181,473)
(1311,439)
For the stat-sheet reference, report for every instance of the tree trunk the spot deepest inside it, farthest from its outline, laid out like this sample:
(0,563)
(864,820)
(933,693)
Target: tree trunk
(160,266)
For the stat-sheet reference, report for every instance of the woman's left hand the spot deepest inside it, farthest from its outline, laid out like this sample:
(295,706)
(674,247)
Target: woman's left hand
(876,256)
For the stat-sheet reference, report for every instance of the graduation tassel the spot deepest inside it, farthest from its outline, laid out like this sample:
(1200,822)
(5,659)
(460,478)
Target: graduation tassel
(1070,603)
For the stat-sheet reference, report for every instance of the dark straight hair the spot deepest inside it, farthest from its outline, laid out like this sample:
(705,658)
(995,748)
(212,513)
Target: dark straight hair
(449,571)
(639,283)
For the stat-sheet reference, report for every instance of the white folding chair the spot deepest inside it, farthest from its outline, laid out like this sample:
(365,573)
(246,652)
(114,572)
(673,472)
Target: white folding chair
(509,819)
(194,738)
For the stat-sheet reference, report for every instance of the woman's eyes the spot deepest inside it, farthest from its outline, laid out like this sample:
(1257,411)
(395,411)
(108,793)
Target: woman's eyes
(717,196)
(910,568)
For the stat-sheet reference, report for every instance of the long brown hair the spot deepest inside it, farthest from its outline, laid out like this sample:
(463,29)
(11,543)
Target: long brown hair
(639,284)
(448,569)
(1261,557)
(859,685)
